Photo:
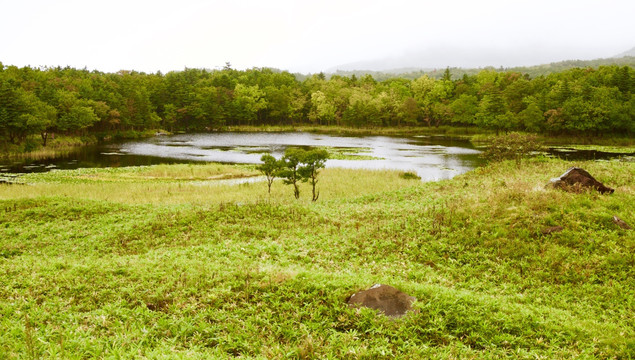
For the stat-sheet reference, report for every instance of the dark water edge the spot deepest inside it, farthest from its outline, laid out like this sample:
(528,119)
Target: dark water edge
(571,154)
(92,156)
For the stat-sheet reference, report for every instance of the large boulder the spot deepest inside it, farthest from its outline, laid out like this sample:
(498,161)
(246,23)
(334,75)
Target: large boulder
(576,180)
(384,298)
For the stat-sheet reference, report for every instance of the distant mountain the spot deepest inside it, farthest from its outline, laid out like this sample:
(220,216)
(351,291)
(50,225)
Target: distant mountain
(630,52)
(532,71)
(440,57)
(434,61)
(458,72)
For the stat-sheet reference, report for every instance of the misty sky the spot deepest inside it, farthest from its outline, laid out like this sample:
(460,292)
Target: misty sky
(308,36)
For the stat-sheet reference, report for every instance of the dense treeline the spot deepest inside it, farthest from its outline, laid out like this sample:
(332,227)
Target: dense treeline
(71,101)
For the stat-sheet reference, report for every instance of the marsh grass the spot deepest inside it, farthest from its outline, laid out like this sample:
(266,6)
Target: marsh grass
(609,143)
(361,131)
(350,153)
(60,146)
(212,171)
(211,272)
(409,175)
(198,184)
(627,149)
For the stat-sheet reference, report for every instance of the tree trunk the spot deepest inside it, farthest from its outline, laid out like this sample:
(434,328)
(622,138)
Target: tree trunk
(315,195)
(45,136)
(296,191)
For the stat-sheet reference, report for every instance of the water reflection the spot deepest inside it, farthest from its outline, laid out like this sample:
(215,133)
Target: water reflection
(432,158)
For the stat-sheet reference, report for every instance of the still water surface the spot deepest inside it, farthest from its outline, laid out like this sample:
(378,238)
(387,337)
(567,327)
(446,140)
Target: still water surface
(431,157)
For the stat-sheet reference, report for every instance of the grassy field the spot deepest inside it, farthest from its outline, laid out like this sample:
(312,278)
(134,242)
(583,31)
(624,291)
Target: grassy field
(174,261)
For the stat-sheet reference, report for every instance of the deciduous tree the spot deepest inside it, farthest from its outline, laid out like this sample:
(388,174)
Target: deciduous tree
(290,172)
(270,167)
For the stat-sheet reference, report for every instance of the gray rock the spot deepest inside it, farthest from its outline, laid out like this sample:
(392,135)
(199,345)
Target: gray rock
(384,298)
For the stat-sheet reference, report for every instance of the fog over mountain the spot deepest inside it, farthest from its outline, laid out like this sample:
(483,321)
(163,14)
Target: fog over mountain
(442,57)
(630,52)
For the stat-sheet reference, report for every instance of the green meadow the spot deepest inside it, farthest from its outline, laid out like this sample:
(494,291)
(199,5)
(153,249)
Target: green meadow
(190,262)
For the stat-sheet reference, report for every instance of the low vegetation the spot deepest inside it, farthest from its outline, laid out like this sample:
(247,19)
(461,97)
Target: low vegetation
(512,146)
(58,146)
(350,153)
(167,262)
(630,150)
(410,175)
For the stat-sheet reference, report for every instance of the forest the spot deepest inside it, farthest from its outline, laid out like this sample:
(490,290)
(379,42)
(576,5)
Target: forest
(36,103)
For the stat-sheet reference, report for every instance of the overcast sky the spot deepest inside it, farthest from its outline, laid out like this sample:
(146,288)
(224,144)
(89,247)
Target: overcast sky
(305,36)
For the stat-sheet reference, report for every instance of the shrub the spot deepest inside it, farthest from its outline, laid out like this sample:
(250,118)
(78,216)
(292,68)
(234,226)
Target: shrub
(409,175)
(30,145)
(512,146)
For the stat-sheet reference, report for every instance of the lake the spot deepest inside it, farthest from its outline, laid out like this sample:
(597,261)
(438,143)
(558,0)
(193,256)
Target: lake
(430,157)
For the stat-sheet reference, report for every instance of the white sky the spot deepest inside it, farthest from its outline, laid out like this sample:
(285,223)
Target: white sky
(302,36)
